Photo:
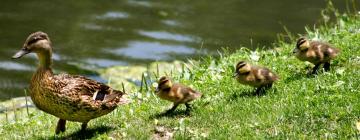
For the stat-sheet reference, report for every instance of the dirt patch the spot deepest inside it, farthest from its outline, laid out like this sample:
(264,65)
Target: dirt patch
(162,133)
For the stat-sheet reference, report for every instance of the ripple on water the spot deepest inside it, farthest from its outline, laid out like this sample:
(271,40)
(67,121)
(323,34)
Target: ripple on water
(152,50)
(171,22)
(113,15)
(8,65)
(104,62)
(10,84)
(167,36)
(96,27)
(56,57)
(140,3)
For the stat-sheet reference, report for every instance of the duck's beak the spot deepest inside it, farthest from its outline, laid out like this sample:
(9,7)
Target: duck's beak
(20,53)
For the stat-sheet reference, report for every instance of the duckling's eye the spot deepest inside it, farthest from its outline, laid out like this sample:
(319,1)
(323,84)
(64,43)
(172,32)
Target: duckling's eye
(300,43)
(240,66)
(163,82)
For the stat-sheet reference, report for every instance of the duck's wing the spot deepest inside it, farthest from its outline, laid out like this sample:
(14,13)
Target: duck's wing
(87,90)
(188,92)
(328,50)
(264,75)
(269,75)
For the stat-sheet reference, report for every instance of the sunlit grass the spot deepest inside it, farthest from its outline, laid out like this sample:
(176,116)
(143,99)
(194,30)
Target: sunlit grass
(298,106)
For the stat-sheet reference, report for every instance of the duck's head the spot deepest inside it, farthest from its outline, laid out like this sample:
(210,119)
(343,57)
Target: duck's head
(164,83)
(302,44)
(242,67)
(37,42)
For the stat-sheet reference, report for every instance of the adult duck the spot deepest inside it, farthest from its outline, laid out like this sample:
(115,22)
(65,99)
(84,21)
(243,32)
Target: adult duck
(68,97)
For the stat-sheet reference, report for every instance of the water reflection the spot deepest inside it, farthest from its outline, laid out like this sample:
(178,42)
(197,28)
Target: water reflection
(91,26)
(104,62)
(162,35)
(140,3)
(9,65)
(171,23)
(113,15)
(152,50)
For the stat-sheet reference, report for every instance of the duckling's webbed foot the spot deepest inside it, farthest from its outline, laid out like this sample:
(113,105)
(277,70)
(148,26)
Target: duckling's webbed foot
(188,107)
(315,69)
(268,86)
(259,90)
(84,126)
(60,126)
(327,66)
(262,90)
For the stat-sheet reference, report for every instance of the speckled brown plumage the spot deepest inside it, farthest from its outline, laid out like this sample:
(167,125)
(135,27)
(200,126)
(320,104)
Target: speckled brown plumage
(316,52)
(71,97)
(68,97)
(176,93)
(254,76)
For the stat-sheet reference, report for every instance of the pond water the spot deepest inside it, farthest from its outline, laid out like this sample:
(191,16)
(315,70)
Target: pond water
(91,34)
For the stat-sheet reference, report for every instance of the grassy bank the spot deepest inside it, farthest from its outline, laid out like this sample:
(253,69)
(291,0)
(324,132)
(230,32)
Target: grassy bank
(299,106)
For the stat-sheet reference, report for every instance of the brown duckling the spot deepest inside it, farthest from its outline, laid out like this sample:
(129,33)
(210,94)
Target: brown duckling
(259,77)
(315,52)
(68,97)
(176,93)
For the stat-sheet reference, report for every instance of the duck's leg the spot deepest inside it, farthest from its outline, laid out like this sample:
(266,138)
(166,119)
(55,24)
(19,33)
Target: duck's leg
(173,108)
(261,90)
(188,107)
(268,86)
(315,69)
(327,66)
(60,126)
(83,126)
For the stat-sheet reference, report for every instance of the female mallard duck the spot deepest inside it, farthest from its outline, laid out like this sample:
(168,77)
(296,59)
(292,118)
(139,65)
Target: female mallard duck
(259,77)
(315,52)
(68,97)
(176,93)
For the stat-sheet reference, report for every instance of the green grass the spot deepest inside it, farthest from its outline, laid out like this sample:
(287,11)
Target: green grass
(297,107)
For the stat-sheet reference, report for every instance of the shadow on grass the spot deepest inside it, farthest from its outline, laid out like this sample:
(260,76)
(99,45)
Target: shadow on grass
(87,134)
(251,93)
(298,76)
(176,113)
(308,74)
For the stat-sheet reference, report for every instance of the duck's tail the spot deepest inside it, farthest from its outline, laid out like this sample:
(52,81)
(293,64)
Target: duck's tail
(120,98)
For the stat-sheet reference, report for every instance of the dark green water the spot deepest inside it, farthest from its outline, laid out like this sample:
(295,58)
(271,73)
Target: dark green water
(94,34)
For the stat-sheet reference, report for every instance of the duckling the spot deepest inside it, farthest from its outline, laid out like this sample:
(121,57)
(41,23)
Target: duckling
(176,93)
(259,77)
(68,97)
(315,52)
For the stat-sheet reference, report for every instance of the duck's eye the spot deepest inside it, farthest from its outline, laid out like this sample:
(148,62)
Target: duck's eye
(33,41)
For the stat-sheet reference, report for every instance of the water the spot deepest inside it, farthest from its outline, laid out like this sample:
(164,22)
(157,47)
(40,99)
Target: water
(94,34)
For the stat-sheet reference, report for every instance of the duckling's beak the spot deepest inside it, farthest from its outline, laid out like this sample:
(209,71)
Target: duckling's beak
(235,74)
(157,89)
(295,50)
(20,53)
